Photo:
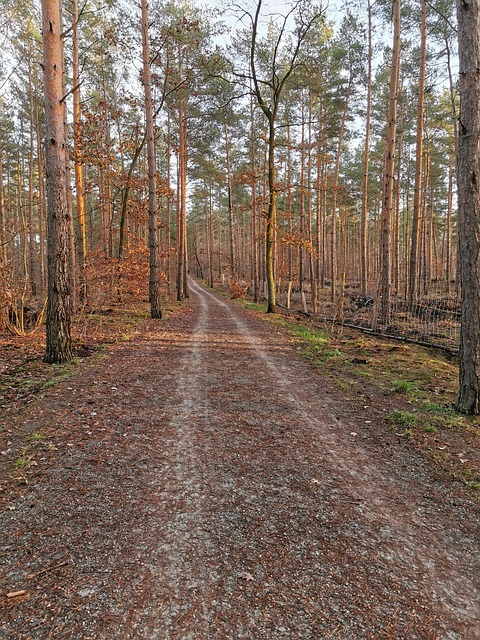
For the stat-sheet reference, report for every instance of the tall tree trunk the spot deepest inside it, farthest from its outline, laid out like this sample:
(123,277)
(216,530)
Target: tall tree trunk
(41,195)
(455,141)
(179,230)
(169,209)
(469,204)
(366,156)
(276,83)
(254,203)
(387,201)
(271,226)
(182,263)
(301,265)
(211,244)
(311,262)
(31,230)
(231,234)
(3,250)
(448,229)
(71,234)
(154,287)
(396,241)
(183,193)
(414,250)
(3,234)
(336,173)
(59,307)
(78,159)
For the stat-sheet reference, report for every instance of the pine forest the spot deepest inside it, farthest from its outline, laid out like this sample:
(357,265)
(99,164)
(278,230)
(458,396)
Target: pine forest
(314,89)
(239,319)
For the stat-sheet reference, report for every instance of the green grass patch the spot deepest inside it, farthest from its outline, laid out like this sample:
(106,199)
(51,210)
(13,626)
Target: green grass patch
(36,436)
(22,462)
(254,306)
(407,387)
(363,373)
(434,407)
(61,373)
(404,418)
(429,428)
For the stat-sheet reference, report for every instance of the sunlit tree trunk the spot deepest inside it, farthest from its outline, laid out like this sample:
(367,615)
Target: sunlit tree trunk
(313,279)
(59,307)
(398,190)
(211,237)
(301,252)
(41,195)
(3,235)
(336,173)
(31,230)
(254,203)
(169,209)
(77,155)
(469,204)
(231,234)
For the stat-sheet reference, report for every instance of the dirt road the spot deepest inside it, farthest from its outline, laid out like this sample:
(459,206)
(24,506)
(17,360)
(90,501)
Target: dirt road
(204,482)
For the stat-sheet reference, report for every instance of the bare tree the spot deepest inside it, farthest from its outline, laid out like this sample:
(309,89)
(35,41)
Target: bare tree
(469,204)
(60,290)
(268,92)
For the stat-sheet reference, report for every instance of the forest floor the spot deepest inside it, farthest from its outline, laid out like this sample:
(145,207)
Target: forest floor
(205,478)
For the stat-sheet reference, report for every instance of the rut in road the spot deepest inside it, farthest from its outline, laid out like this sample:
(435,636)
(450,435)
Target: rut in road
(232,494)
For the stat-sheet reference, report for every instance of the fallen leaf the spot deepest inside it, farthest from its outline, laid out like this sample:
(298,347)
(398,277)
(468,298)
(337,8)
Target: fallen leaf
(246,576)
(16,594)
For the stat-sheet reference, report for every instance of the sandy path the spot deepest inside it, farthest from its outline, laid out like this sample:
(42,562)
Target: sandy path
(213,485)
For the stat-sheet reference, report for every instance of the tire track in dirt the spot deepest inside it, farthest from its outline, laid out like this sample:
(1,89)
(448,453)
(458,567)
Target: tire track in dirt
(209,488)
(182,538)
(402,533)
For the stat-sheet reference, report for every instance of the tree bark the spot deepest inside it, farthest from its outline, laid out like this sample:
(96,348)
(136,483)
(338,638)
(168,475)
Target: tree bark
(387,202)
(271,227)
(414,251)
(77,154)
(231,234)
(468,12)
(254,204)
(59,307)
(366,157)
(3,235)
(31,230)
(154,288)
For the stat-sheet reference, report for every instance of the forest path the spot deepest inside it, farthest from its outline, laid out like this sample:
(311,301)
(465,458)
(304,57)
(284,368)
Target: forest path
(210,484)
